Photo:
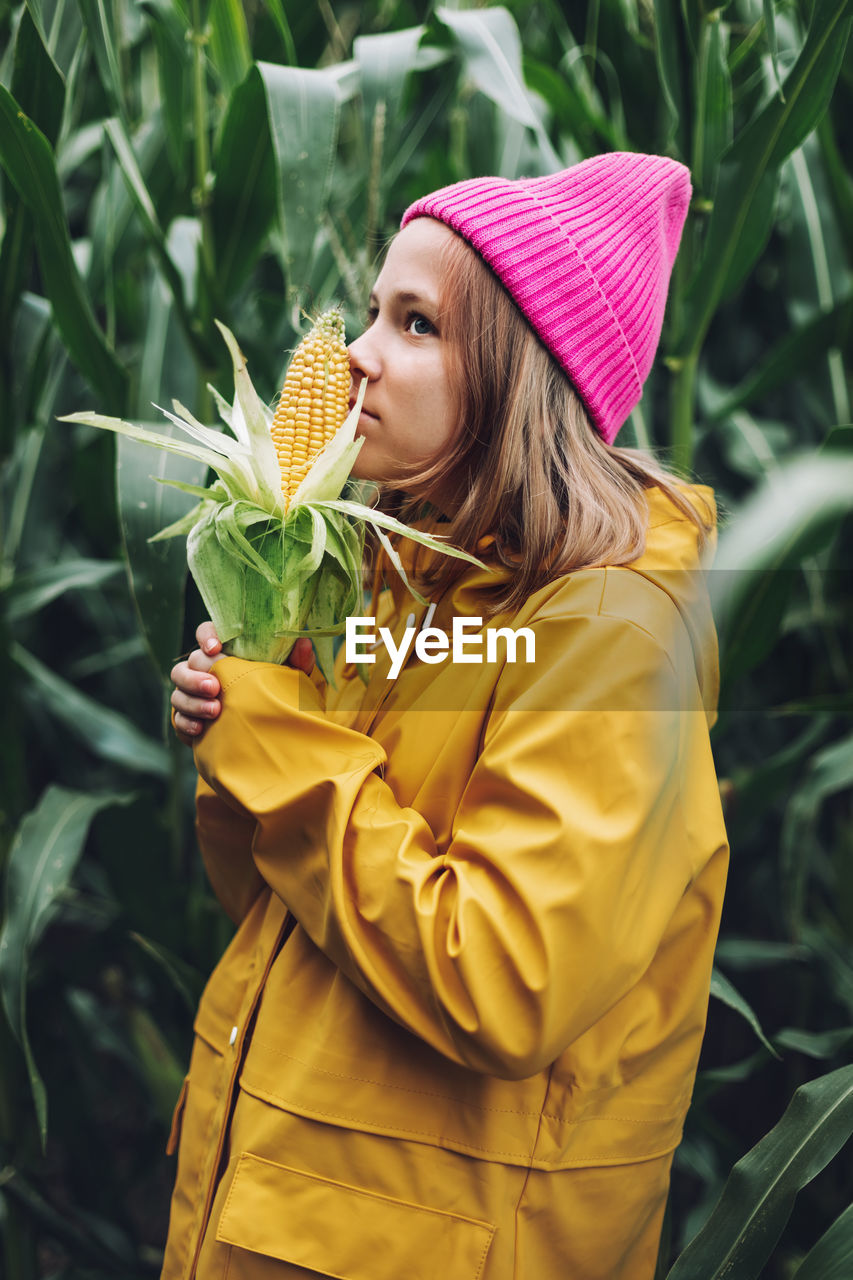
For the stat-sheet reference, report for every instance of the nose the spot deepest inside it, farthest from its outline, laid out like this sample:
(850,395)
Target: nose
(363,358)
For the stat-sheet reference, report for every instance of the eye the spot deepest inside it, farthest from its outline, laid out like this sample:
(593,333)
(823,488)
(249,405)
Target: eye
(419,325)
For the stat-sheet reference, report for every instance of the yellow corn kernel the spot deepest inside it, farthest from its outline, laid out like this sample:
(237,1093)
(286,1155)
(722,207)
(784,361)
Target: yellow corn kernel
(314,400)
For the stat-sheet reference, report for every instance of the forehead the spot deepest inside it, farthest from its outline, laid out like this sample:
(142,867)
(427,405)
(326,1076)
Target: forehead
(414,260)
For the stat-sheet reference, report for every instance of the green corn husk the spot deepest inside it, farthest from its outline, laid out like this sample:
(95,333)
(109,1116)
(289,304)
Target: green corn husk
(268,575)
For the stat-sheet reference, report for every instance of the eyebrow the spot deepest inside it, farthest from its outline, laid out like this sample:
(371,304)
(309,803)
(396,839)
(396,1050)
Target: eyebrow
(405,297)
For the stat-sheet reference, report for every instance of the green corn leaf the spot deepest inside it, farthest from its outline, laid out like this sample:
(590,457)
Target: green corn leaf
(233,522)
(838,181)
(832,1256)
(204,493)
(839,439)
(317,547)
(303,107)
(33,591)
(394,556)
(817,283)
(42,858)
(115,215)
(112,655)
(385,62)
(794,354)
(35,9)
(746,190)
(145,208)
(490,45)
(757,1199)
(672,63)
(227,463)
(158,572)
(757,953)
(108,734)
(240,579)
(186,980)
(276,9)
(118,136)
(380,520)
(725,991)
(828,773)
(770,526)
(15,256)
(244,191)
(230,49)
(98,17)
(256,425)
(221,589)
(234,421)
(708,1082)
(578,113)
(750,611)
(166,358)
(772,42)
(38,85)
(797,508)
(210,437)
(713,129)
(100,1244)
(183,526)
(814,1044)
(169,31)
(27,159)
(162,1071)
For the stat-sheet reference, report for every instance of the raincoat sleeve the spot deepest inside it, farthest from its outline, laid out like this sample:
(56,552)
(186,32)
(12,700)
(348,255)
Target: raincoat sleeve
(569,851)
(225,835)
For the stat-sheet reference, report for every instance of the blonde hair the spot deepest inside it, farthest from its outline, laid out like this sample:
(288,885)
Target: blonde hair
(526,464)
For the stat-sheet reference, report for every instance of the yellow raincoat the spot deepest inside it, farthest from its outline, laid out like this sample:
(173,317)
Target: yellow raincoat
(456,1032)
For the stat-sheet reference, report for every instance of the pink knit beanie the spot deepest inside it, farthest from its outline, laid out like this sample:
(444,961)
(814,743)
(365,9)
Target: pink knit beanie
(586,254)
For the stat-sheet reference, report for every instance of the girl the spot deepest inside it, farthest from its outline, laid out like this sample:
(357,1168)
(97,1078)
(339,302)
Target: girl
(456,1032)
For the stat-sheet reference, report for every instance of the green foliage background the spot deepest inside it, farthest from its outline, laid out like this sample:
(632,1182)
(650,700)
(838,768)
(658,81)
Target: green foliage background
(168,161)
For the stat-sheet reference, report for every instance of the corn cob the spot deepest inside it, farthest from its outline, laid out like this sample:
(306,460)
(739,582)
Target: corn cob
(314,400)
(267,574)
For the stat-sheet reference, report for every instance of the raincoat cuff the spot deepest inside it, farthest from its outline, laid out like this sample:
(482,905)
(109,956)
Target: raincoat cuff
(252,691)
(272,730)
(300,691)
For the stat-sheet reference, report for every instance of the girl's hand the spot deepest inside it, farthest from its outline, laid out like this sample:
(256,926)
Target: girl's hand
(195,698)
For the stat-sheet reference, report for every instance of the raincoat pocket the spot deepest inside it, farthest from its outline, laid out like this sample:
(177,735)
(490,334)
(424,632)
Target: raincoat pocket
(340,1230)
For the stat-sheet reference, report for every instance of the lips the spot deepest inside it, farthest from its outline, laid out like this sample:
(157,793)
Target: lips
(365,413)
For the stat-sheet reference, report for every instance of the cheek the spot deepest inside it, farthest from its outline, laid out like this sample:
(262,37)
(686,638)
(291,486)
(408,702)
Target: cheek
(452,413)
(450,377)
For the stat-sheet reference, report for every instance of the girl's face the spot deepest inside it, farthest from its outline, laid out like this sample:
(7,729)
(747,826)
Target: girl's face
(409,412)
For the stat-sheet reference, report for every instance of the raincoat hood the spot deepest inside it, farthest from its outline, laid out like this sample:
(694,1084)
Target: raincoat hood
(672,560)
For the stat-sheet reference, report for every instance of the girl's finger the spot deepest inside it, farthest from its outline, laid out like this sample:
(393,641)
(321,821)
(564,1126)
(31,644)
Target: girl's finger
(188,731)
(302,656)
(200,684)
(207,638)
(201,661)
(194,708)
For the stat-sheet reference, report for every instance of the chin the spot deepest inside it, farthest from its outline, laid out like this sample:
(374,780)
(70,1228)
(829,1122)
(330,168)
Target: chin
(363,470)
